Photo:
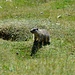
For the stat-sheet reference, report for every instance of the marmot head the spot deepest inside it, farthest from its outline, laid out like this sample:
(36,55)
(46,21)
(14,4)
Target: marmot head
(34,30)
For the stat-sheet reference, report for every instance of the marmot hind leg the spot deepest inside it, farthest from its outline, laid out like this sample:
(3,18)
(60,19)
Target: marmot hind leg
(48,43)
(40,44)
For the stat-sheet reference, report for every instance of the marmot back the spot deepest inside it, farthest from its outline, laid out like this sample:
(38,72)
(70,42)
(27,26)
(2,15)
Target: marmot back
(41,35)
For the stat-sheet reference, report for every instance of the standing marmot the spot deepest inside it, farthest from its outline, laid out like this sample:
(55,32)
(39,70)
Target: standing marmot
(41,36)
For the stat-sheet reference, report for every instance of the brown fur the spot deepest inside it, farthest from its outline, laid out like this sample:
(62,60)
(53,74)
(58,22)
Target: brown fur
(41,35)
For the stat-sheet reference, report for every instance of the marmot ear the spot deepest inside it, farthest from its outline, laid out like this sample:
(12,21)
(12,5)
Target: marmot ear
(37,28)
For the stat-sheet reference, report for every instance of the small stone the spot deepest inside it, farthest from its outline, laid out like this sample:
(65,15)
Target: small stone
(59,16)
(0,6)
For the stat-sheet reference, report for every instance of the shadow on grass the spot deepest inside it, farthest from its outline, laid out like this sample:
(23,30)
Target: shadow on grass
(35,48)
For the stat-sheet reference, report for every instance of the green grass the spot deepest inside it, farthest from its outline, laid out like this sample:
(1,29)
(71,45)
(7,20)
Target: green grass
(58,58)
(33,9)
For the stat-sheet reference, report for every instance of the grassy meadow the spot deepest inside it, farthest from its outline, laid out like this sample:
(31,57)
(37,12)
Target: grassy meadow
(17,17)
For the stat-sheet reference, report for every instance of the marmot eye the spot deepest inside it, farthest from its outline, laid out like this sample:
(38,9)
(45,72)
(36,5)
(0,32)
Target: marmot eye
(34,30)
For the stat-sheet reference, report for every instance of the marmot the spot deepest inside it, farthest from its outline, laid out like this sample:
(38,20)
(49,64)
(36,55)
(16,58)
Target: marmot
(41,35)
